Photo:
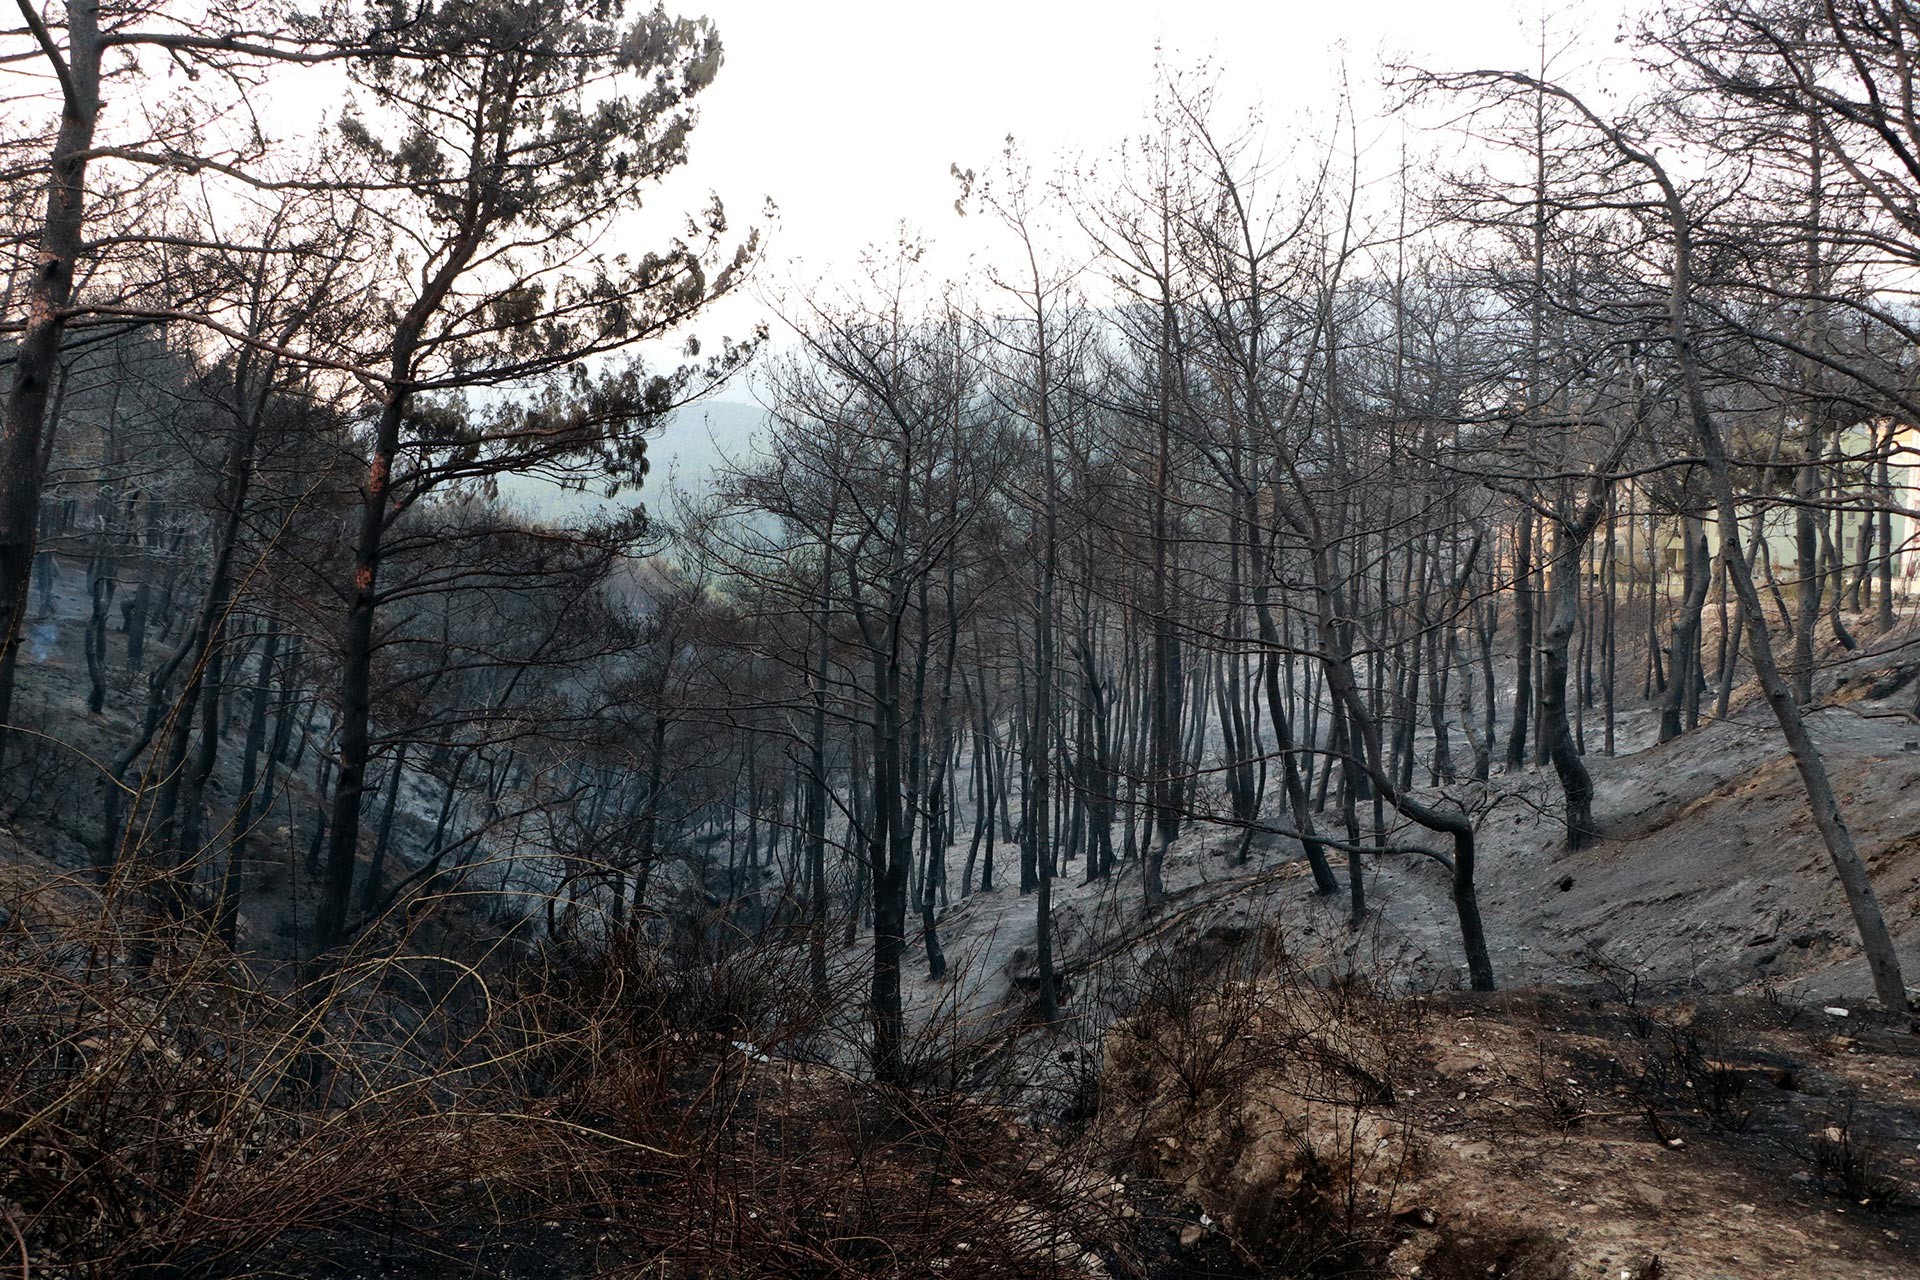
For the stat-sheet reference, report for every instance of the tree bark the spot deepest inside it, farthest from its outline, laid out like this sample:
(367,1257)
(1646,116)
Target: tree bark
(49,290)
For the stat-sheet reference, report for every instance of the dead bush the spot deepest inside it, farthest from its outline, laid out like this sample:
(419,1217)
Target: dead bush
(1481,1250)
(668,1102)
(1848,1163)
(1260,1082)
(1680,1069)
(1297,1218)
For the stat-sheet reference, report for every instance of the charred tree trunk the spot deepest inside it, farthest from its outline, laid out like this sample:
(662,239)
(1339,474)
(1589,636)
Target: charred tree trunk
(1522,642)
(36,357)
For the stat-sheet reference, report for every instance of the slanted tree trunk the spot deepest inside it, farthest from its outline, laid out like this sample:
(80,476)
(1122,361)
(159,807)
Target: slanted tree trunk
(1292,780)
(136,612)
(1883,961)
(200,769)
(49,289)
(1883,617)
(890,855)
(817,784)
(356,675)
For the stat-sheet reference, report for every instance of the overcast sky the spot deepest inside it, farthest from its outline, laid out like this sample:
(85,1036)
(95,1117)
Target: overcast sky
(849,113)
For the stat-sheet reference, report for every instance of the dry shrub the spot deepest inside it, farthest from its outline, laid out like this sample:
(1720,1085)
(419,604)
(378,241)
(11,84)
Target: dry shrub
(1291,1216)
(672,1102)
(1258,1084)
(1678,1068)
(162,1105)
(786,1161)
(1482,1250)
(1849,1164)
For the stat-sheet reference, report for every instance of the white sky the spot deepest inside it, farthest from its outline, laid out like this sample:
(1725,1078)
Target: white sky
(849,113)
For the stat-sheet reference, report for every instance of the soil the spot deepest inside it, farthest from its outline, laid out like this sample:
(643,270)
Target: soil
(1708,876)
(1697,1134)
(1731,1139)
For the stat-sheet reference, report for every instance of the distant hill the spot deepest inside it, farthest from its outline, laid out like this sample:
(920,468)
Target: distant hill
(687,452)
(699,438)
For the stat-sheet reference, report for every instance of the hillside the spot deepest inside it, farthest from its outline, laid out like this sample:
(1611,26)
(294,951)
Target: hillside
(686,453)
(1684,1043)
(1279,658)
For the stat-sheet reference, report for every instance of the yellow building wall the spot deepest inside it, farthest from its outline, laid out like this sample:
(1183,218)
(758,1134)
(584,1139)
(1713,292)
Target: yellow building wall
(1777,517)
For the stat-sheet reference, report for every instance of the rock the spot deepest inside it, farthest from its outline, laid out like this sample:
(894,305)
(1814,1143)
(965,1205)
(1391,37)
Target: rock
(1190,1235)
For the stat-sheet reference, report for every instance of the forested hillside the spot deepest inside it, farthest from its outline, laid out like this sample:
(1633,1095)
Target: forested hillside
(1313,712)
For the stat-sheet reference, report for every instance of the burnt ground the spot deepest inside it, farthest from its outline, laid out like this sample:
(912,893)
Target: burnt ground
(1722,1138)
(1572,1133)
(474,1248)
(1660,1080)
(1727,1136)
